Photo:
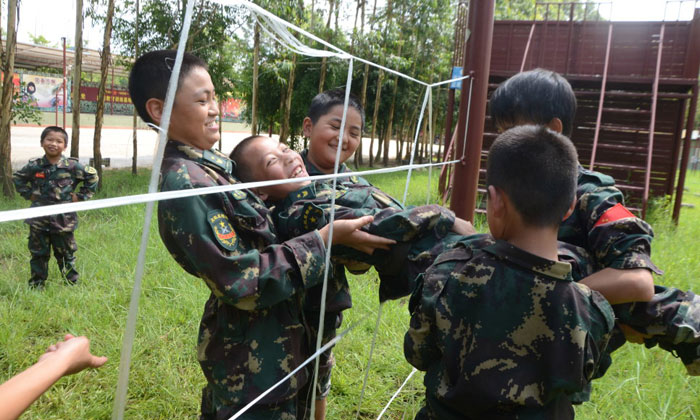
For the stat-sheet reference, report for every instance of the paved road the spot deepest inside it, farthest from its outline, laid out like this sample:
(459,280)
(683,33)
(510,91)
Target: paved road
(116,144)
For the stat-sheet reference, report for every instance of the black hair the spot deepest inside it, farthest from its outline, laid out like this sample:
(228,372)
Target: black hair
(243,167)
(322,103)
(150,75)
(534,97)
(54,129)
(537,169)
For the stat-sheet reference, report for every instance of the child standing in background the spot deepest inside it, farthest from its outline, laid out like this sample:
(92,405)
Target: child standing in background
(54,179)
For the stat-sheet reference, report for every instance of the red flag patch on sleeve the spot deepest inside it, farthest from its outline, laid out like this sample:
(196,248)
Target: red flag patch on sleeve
(616,212)
(40,175)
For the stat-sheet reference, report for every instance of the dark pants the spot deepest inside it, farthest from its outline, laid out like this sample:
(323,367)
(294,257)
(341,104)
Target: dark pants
(40,244)
(214,409)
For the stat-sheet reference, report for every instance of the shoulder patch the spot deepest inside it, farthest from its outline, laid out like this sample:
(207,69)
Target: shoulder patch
(223,231)
(238,194)
(312,216)
(90,170)
(614,213)
(354,179)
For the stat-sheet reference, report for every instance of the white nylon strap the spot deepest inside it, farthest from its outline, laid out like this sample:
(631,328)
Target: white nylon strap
(125,362)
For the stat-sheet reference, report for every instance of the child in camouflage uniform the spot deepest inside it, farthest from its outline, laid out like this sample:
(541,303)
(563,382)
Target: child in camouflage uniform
(300,207)
(54,179)
(497,322)
(251,335)
(618,242)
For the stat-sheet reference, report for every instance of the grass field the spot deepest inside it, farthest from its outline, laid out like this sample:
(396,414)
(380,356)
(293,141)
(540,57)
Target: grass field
(165,379)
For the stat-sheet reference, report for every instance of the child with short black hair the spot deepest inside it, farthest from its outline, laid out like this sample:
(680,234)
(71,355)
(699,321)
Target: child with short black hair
(251,334)
(617,240)
(322,127)
(497,322)
(54,179)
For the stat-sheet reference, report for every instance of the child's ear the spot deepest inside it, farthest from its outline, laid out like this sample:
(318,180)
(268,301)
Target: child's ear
(570,210)
(154,108)
(306,126)
(496,201)
(555,125)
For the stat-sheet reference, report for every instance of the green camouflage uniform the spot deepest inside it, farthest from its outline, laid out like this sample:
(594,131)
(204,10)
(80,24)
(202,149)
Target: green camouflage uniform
(312,170)
(503,334)
(45,184)
(309,208)
(672,317)
(252,332)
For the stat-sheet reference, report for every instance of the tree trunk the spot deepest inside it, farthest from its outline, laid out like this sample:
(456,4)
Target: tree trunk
(99,113)
(8,68)
(256,60)
(363,101)
(134,157)
(77,72)
(324,60)
(375,114)
(284,132)
(389,127)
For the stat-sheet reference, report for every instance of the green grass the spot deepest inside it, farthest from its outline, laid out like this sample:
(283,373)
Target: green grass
(165,379)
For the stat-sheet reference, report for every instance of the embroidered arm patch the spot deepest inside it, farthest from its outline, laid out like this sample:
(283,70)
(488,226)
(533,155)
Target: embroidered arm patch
(223,231)
(614,213)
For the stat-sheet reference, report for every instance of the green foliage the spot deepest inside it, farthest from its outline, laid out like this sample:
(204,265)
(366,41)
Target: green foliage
(23,110)
(40,40)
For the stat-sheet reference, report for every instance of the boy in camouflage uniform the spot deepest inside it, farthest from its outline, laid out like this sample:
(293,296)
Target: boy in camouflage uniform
(618,242)
(303,206)
(497,322)
(322,127)
(251,334)
(54,179)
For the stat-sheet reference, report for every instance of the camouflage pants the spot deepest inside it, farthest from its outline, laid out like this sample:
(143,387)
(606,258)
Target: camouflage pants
(671,320)
(214,409)
(40,244)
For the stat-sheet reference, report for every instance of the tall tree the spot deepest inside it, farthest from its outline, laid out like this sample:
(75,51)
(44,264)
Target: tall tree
(8,68)
(77,71)
(256,65)
(287,108)
(105,59)
(324,60)
(134,156)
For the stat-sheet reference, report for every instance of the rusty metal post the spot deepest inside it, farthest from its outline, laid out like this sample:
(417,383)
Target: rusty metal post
(64,82)
(652,124)
(477,60)
(685,155)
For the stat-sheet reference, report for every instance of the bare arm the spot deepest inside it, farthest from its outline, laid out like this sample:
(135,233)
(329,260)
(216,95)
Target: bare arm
(63,358)
(622,286)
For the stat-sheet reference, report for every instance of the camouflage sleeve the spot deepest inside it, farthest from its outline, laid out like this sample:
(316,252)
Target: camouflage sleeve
(305,216)
(87,177)
(23,180)
(420,342)
(616,238)
(242,275)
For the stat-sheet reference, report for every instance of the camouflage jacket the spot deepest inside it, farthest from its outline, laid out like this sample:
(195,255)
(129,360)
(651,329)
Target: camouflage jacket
(45,184)
(502,333)
(251,334)
(613,236)
(309,208)
(312,170)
